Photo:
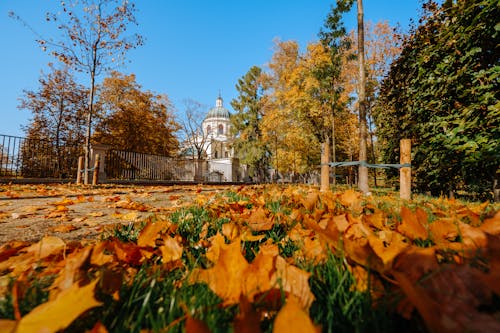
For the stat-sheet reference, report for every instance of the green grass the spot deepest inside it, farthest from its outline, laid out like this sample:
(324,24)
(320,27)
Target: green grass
(338,307)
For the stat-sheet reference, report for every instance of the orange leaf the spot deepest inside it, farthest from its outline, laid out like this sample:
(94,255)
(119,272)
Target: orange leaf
(294,280)
(410,225)
(226,277)
(72,264)
(292,318)
(259,221)
(46,246)
(492,225)
(149,234)
(64,228)
(310,200)
(350,198)
(58,314)
(170,250)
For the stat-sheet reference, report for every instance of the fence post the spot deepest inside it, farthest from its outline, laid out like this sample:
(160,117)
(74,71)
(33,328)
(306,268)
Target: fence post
(325,168)
(79,172)
(95,176)
(405,172)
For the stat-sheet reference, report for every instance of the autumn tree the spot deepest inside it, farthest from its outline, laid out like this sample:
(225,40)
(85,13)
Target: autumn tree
(136,120)
(442,91)
(289,135)
(92,40)
(246,123)
(58,109)
(333,36)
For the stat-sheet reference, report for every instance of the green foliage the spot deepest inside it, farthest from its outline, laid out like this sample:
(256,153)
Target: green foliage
(252,150)
(443,93)
(338,307)
(157,300)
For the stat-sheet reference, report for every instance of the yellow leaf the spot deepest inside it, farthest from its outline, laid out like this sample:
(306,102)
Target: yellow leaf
(58,314)
(292,319)
(170,250)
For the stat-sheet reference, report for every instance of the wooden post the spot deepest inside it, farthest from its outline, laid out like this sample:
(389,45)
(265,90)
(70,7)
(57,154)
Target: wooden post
(325,168)
(405,172)
(95,176)
(79,172)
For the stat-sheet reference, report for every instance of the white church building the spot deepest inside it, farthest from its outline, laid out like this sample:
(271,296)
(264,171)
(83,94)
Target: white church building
(222,165)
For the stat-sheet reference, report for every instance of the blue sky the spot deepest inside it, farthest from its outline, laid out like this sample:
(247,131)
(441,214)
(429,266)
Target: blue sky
(193,49)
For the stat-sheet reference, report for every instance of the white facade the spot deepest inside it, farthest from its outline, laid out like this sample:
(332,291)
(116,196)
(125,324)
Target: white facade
(222,166)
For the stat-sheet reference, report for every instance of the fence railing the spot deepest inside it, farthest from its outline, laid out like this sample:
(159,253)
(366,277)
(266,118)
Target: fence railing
(120,164)
(32,158)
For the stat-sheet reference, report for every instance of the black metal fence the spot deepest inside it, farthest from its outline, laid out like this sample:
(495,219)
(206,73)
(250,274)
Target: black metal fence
(122,164)
(31,158)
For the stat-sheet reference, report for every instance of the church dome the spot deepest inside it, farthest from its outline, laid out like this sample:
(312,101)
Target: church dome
(218,111)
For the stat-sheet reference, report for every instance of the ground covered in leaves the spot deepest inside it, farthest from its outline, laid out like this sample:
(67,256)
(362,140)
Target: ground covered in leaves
(250,259)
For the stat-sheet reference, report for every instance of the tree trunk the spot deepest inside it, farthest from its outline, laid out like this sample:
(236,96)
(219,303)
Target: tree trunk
(363,170)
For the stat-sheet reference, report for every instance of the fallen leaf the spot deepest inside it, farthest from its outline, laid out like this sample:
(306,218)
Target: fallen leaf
(410,226)
(46,246)
(64,228)
(492,225)
(195,326)
(96,214)
(247,320)
(259,221)
(56,315)
(150,233)
(171,250)
(292,318)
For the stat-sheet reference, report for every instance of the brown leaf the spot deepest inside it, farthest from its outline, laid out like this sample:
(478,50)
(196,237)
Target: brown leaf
(247,320)
(196,326)
(56,315)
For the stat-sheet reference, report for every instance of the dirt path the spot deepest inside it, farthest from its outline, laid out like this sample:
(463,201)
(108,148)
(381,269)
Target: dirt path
(30,212)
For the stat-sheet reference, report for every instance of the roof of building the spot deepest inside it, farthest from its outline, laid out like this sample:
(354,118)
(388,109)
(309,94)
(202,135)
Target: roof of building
(219,111)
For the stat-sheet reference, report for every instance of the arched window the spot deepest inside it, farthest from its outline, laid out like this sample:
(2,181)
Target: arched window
(221,129)
(209,129)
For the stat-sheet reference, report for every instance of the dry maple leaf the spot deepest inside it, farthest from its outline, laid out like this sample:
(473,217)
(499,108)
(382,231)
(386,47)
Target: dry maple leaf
(171,250)
(226,277)
(67,276)
(259,220)
(151,233)
(411,226)
(57,314)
